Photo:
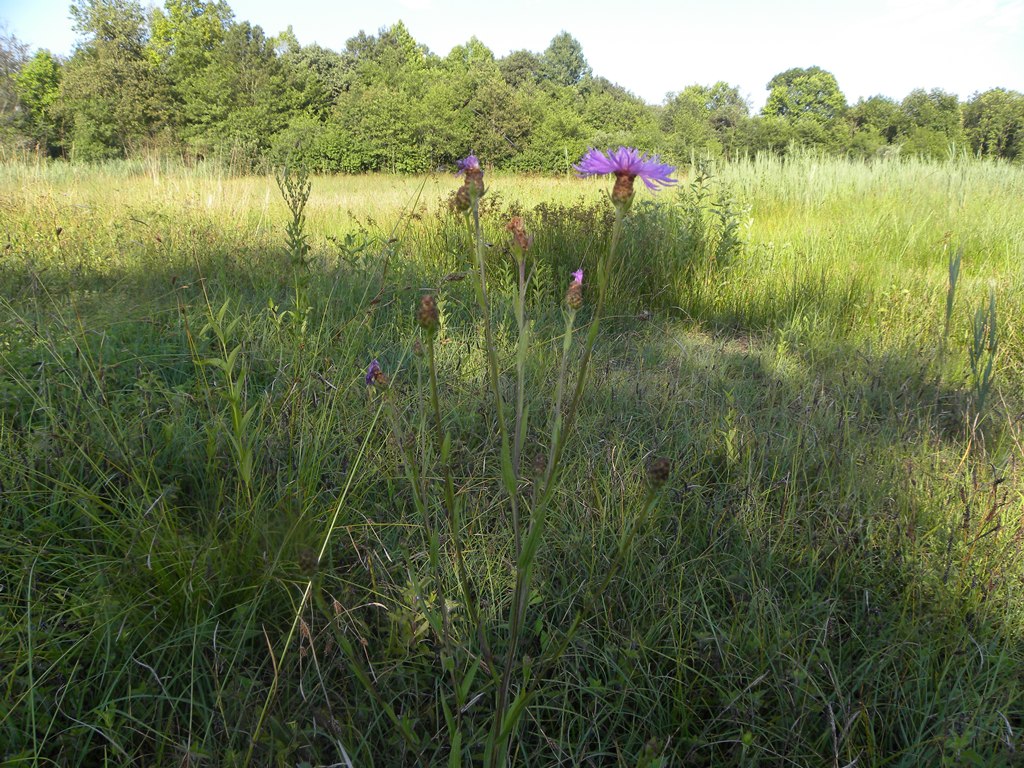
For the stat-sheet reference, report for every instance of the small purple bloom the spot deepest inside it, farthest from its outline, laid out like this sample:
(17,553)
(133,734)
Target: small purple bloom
(469,163)
(577,276)
(372,373)
(629,162)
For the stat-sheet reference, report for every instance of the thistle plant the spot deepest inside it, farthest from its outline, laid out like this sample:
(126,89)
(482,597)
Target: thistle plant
(626,164)
(529,514)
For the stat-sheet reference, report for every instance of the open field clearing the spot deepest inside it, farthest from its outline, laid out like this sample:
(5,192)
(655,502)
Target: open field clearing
(222,543)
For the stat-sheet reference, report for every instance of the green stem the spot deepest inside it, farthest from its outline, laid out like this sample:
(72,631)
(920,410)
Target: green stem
(490,349)
(500,734)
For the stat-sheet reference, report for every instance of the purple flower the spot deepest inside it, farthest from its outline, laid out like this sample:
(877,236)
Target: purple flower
(473,188)
(468,163)
(373,372)
(574,295)
(627,162)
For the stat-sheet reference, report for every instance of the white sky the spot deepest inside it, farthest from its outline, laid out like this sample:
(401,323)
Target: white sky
(651,48)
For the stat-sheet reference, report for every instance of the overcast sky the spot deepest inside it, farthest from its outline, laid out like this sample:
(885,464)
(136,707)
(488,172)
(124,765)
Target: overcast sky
(651,48)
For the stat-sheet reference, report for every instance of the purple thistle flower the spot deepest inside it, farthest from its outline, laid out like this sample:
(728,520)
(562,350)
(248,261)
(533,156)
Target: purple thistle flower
(373,372)
(629,162)
(473,188)
(468,163)
(574,295)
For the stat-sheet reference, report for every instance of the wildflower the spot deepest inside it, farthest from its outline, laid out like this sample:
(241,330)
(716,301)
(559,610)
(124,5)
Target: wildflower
(469,164)
(626,163)
(427,315)
(574,296)
(518,230)
(474,184)
(375,376)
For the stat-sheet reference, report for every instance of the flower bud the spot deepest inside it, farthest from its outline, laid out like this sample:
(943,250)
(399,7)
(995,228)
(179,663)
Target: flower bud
(574,295)
(427,315)
(474,184)
(461,201)
(515,226)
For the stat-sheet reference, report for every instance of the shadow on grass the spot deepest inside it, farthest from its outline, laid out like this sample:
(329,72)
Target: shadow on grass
(829,579)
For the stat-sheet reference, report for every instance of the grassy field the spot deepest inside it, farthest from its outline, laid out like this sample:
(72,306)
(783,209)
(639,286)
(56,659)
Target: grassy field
(214,544)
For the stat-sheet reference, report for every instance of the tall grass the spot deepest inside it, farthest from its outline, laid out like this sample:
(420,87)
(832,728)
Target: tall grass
(187,450)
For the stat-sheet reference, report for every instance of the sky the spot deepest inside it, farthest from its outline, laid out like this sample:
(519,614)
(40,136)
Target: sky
(655,47)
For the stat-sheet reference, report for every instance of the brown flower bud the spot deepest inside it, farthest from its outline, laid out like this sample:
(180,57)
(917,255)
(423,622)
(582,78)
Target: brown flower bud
(461,202)
(574,296)
(475,183)
(427,315)
(515,226)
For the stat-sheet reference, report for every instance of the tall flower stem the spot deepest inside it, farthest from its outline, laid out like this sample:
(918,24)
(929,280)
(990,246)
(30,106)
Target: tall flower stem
(490,350)
(522,348)
(506,718)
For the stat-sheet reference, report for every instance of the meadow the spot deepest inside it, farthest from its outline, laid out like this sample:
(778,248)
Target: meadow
(221,543)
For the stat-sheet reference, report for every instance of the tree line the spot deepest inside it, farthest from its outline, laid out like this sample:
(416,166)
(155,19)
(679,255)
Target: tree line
(190,80)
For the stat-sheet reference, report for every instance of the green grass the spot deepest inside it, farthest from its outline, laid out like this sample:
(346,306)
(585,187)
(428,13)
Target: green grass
(833,574)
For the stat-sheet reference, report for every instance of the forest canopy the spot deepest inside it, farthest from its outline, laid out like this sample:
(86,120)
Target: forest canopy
(190,80)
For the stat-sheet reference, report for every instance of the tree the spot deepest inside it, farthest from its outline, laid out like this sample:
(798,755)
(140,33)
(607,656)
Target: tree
(385,59)
(810,100)
(107,90)
(12,58)
(38,87)
(240,100)
(521,68)
(879,113)
(994,123)
(316,74)
(563,62)
(932,122)
(811,92)
(184,36)
(703,119)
